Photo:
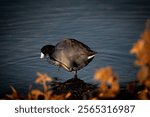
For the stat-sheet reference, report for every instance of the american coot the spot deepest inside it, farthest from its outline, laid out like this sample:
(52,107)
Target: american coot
(70,54)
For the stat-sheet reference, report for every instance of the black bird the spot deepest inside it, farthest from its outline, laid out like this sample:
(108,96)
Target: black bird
(70,54)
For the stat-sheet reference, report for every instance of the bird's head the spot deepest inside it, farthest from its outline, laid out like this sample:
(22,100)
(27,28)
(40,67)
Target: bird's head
(46,51)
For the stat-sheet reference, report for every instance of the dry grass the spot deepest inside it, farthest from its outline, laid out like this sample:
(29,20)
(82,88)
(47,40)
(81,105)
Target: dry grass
(109,85)
(108,88)
(141,49)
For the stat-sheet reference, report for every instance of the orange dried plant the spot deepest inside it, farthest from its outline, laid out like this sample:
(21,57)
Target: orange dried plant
(141,49)
(14,95)
(47,94)
(109,85)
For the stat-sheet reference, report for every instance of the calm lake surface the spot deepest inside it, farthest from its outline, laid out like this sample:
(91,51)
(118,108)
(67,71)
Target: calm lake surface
(108,27)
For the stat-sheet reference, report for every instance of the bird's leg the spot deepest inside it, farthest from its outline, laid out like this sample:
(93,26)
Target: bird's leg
(58,71)
(75,74)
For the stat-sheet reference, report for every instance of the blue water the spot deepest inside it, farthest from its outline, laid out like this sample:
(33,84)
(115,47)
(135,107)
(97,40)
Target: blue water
(108,27)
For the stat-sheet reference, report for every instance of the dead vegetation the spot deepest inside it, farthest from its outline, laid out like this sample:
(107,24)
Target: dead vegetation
(141,49)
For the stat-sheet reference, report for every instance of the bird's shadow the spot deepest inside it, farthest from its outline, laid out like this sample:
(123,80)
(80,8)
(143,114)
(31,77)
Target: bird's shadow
(78,88)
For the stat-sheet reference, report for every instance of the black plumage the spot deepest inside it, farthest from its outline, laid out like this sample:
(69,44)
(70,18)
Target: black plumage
(70,54)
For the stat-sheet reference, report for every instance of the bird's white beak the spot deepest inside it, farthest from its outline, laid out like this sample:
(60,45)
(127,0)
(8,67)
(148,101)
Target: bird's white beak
(42,55)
